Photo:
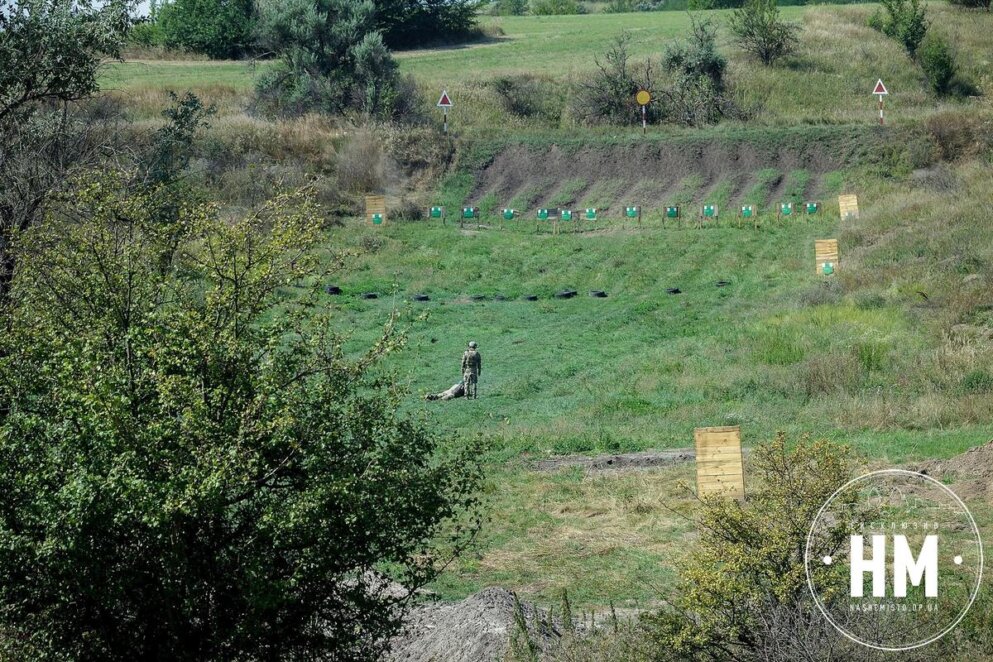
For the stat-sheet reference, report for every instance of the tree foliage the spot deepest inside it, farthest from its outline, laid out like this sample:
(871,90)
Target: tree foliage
(217,28)
(410,23)
(332,59)
(759,30)
(50,51)
(903,20)
(50,55)
(190,466)
(938,60)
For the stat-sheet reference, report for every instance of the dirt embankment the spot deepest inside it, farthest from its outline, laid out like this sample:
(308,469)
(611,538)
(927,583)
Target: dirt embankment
(971,472)
(657,173)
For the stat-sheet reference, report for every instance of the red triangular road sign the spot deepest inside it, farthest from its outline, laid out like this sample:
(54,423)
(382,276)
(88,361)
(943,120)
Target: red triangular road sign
(880,88)
(445,101)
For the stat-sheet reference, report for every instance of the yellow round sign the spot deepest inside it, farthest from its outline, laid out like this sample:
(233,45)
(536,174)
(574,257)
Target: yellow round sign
(643,97)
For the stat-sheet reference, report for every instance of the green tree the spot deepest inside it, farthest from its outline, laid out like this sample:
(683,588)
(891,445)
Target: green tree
(903,20)
(697,92)
(217,28)
(191,467)
(50,54)
(759,30)
(331,59)
(411,23)
(938,63)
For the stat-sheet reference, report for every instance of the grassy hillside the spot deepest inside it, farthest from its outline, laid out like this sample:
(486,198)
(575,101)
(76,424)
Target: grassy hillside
(777,348)
(892,354)
(864,358)
(828,80)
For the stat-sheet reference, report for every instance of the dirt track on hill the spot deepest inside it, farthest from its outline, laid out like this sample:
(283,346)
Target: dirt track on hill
(620,462)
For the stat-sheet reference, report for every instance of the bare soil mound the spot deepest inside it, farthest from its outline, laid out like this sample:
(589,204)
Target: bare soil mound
(477,629)
(971,472)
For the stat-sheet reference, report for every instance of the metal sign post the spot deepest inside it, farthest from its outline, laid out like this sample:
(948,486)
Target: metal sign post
(445,102)
(880,90)
(643,98)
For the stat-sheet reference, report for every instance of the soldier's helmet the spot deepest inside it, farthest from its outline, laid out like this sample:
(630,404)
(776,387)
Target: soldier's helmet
(473,344)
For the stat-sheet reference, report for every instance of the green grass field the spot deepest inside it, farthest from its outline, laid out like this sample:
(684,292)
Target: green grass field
(871,357)
(776,349)
(779,348)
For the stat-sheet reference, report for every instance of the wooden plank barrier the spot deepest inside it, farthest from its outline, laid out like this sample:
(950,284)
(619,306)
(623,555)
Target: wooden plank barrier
(375,209)
(719,467)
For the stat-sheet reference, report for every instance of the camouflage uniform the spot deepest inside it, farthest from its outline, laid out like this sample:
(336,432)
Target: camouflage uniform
(472,367)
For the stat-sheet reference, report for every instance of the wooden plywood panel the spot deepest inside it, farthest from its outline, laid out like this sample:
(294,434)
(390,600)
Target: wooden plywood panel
(825,250)
(849,206)
(719,468)
(375,204)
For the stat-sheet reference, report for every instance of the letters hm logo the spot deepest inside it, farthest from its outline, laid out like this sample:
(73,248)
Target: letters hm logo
(905,566)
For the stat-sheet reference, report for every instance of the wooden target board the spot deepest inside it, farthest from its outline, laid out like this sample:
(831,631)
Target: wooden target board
(719,468)
(375,209)
(826,252)
(849,206)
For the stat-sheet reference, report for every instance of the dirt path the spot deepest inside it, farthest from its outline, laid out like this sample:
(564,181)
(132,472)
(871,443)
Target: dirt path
(642,460)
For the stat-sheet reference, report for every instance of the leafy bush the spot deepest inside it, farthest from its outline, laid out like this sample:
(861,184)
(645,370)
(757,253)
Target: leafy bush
(698,5)
(692,90)
(607,96)
(938,61)
(528,96)
(556,7)
(217,28)
(509,8)
(191,468)
(742,591)
(903,20)
(697,93)
(758,30)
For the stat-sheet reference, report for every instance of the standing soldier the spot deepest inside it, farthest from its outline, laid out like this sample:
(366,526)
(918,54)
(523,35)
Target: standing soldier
(472,367)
